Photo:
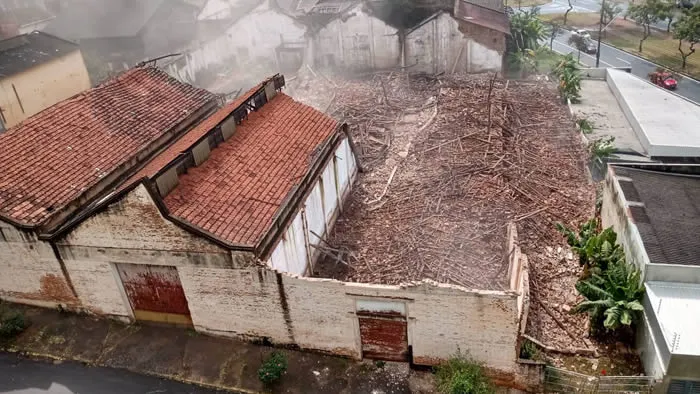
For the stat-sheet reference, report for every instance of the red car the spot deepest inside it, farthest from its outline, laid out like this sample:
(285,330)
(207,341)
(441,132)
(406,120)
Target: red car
(663,79)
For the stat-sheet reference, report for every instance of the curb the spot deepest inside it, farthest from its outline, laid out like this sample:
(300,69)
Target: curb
(35,355)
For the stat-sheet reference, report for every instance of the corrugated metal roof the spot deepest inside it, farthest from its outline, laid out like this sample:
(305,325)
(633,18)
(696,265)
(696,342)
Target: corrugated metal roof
(677,308)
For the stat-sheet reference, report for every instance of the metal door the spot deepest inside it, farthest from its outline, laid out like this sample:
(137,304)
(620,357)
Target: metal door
(155,293)
(383,330)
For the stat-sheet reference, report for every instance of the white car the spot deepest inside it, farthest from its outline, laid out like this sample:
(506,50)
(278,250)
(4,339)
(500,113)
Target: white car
(581,32)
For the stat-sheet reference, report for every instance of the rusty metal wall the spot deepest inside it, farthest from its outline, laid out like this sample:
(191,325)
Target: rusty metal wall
(153,288)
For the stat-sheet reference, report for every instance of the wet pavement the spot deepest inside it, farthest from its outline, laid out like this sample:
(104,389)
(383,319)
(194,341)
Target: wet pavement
(23,376)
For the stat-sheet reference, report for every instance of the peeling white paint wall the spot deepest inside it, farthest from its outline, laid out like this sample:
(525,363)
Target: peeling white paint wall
(247,49)
(298,248)
(438,46)
(357,42)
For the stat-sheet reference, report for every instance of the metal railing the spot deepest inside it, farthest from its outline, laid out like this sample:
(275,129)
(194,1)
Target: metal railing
(562,381)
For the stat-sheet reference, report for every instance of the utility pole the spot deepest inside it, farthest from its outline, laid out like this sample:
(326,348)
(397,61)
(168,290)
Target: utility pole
(600,33)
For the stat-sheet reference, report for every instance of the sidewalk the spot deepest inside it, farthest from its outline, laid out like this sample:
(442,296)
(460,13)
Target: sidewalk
(187,356)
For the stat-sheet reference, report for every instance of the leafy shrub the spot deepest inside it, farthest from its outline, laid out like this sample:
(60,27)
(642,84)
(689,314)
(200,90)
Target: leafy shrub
(461,375)
(569,75)
(529,351)
(11,324)
(602,148)
(595,250)
(273,368)
(585,125)
(613,297)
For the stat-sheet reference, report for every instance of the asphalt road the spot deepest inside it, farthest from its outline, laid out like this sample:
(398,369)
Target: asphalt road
(23,376)
(613,57)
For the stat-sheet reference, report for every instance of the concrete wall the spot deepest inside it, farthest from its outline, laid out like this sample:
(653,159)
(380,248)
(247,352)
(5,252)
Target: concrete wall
(615,214)
(30,272)
(41,87)
(357,42)
(131,231)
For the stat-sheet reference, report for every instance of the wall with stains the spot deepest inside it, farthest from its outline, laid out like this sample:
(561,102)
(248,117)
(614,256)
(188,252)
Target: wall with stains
(441,319)
(35,89)
(131,231)
(30,273)
(357,41)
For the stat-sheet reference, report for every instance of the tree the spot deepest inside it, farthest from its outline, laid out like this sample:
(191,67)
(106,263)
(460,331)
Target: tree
(687,29)
(667,12)
(578,42)
(566,14)
(527,30)
(646,14)
(554,30)
(609,10)
(613,297)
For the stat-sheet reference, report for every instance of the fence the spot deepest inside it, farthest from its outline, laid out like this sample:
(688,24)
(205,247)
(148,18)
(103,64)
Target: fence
(563,381)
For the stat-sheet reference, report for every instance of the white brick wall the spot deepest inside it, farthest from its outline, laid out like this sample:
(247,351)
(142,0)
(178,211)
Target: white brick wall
(98,288)
(442,319)
(29,270)
(130,231)
(240,302)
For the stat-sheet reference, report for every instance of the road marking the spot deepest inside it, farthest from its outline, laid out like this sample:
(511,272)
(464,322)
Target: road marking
(582,53)
(623,60)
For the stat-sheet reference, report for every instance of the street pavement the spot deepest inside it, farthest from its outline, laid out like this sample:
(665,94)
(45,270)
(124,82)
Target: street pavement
(23,376)
(613,57)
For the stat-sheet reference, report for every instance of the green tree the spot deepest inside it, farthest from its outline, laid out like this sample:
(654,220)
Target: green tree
(554,31)
(527,30)
(610,11)
(646,14)
(566,14)
(613,297)
(687,29)
(569,75)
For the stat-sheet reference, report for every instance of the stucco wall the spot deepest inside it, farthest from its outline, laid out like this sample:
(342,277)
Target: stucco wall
(132,231)
(30,273)
(41,87)
(357,42)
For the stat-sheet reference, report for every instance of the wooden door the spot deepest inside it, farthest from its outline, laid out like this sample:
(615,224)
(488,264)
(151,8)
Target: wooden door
(155,293)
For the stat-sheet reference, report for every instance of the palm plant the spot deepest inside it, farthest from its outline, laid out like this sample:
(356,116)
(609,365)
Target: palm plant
(569,76)
(612,296)
(596,250)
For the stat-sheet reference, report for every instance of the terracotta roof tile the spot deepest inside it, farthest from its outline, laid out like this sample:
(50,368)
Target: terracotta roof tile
(236,193)
(48,160)
(186,141)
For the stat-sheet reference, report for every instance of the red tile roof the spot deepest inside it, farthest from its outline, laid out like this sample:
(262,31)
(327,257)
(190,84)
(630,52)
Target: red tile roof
(236,193)
(51,158)
(187,140)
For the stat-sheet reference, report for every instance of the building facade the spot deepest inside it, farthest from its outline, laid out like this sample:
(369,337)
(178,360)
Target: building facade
(37,70)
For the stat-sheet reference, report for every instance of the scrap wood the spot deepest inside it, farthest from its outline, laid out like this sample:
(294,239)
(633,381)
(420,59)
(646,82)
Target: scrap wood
(558,321)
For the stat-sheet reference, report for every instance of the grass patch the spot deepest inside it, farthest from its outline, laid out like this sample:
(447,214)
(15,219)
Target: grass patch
(575,19)
(460,375)
(527,3)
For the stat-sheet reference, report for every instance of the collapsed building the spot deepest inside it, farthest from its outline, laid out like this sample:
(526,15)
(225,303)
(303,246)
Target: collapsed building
(146,199)
(345,36)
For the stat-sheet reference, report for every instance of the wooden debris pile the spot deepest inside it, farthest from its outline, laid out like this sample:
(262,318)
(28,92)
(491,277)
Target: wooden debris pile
(450,162)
